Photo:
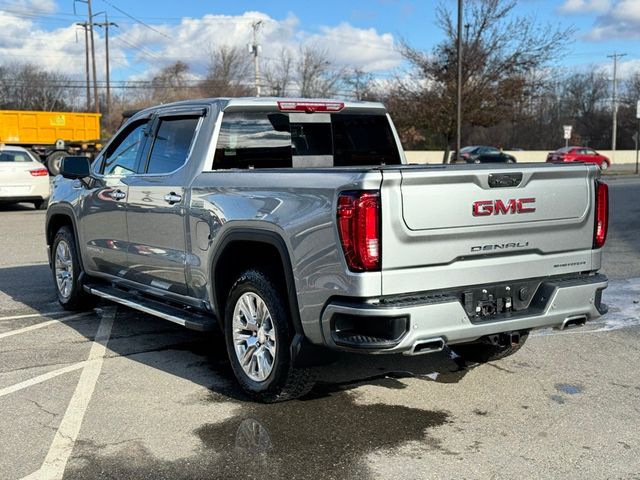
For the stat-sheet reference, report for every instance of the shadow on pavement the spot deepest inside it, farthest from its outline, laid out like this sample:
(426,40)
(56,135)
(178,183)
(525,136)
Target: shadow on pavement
(326,434)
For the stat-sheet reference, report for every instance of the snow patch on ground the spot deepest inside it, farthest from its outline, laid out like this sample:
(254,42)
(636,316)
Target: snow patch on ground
(623,299)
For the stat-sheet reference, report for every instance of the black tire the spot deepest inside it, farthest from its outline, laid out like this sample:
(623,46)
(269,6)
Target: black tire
(284,382)
(53,162)
(75,298)
(40,204)
(487,352)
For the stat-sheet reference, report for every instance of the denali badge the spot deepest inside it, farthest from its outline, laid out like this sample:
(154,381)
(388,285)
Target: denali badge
(499,246)
(483,208)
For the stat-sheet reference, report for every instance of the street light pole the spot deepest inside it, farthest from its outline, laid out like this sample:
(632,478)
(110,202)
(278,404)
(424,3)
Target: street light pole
(459,84)
(614,135)
(255,49)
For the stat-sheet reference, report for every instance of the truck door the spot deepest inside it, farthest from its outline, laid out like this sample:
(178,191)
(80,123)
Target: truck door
(103,236)
(156,205)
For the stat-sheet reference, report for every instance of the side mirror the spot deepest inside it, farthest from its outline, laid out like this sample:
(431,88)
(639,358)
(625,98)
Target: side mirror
(75,167)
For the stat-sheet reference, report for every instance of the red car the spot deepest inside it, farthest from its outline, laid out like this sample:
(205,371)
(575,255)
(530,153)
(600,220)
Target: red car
(579,154)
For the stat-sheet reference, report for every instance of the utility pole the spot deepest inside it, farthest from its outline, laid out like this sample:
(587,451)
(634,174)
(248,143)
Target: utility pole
(85,26)
(254,49)
(615,57)
(106,24)
(93,60)
(459,84)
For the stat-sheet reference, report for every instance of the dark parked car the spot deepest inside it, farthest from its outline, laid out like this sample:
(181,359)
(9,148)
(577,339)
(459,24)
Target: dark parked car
(482,154)
(579,154)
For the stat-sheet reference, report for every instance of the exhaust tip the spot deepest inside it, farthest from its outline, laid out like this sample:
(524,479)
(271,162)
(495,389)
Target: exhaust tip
(431,345)
(574,321)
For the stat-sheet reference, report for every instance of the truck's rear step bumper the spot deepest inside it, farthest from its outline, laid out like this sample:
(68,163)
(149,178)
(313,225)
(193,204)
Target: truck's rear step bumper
(443,317)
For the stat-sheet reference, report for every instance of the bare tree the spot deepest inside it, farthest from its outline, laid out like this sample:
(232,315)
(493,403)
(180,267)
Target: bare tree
(278,75)
(29,87)
(500,52)
(228,74)
(361,83)
(172,83)
(315,75)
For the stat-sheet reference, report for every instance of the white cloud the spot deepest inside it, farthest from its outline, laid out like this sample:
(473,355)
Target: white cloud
(137,51)
(585,6)
(193,39)
(620,20)
(26,6)
(60,50)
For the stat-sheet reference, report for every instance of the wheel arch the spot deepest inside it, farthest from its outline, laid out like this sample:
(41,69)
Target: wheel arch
(58,217)
(259,248)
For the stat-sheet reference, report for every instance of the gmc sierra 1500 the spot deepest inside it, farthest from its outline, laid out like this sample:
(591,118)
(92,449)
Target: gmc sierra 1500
(297,227)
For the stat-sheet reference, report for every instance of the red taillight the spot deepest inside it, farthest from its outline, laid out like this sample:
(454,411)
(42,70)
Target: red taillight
(39,172)
(602,214)
(310,107)
(359,228)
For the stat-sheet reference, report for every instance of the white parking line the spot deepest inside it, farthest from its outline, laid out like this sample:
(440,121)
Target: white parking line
(62,446)
(41,378)
(43,324)
(30,315)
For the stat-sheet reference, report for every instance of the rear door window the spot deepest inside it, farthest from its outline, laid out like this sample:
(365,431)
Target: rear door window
(171,144)
(278,140)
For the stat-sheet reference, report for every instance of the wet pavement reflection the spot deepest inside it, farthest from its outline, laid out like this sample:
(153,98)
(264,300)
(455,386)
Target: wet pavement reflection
(326,435)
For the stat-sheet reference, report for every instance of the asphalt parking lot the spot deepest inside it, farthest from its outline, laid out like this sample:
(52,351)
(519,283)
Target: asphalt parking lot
(117,394)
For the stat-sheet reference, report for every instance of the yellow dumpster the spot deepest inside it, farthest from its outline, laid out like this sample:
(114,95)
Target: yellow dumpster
(21,127)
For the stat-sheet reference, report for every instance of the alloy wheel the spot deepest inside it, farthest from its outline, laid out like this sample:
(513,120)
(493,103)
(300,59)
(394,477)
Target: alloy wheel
(254,337)
(64,269)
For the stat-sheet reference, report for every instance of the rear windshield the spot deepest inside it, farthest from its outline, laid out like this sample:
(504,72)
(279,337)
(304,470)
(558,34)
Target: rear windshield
(281,140)
(15,157)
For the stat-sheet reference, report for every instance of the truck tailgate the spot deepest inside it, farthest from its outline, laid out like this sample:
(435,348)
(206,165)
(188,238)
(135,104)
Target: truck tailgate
(481,224)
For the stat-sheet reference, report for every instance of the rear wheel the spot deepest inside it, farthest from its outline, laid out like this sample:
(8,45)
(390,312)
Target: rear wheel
(66,269)
(258,334)
(482,352)
(40,204)
(54,160)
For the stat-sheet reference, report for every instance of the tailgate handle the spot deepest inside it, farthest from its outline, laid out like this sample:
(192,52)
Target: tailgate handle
(503,180)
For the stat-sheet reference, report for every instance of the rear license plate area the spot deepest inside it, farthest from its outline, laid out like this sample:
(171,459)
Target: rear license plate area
(495,301)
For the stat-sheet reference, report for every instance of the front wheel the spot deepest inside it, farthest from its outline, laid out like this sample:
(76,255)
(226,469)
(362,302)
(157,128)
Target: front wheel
(66,269)
(604,166)
(258,334)
(481,352)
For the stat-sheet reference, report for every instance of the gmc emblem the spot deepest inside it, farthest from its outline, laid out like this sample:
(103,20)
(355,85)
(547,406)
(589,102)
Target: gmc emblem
(484,208)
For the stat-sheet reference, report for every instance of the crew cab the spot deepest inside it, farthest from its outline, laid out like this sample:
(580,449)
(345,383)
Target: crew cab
(298,228)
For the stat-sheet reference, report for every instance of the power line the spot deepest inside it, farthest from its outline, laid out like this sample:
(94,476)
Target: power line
(137,20)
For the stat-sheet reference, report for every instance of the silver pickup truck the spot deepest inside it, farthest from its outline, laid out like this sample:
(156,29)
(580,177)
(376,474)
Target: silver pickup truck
(297,228)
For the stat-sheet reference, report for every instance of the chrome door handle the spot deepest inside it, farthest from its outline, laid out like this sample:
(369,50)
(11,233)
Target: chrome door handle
(117,194)
(172,198)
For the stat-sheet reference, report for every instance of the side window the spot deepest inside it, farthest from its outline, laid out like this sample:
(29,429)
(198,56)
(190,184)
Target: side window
(120,158)
(253,140)
(171,144)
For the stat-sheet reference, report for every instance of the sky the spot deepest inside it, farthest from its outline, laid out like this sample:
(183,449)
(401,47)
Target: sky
(360,33)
